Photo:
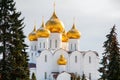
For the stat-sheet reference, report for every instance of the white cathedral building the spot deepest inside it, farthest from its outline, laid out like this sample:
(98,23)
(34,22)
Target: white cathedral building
(55,55)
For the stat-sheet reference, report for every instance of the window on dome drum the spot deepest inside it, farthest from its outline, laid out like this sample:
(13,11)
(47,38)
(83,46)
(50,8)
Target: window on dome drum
(71,46)
(40,45)
(45,74)
(50,43)
(44,44)
(89,76)
(45,58)
(89,59)
(35,48)
(32,55)
(55,43)
(31,47)
(75,47)
(75,59)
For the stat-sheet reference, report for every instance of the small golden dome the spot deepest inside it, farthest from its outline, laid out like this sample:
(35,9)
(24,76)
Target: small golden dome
(54,24)
(42,31)
(64,37)
(32,36)
(62,60)
(73,33)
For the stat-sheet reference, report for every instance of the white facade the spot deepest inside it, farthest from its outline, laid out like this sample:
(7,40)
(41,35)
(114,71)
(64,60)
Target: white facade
(78,62)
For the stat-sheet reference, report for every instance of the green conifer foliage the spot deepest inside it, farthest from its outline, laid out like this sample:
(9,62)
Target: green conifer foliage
(83,77)
(33,76)
(78,78)
(14,64)
(111,57)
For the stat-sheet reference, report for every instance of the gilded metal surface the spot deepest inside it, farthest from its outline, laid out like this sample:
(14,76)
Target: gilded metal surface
(62,60)
(73,33)
(32,36)
(64,37)
(54,24)
(42,31)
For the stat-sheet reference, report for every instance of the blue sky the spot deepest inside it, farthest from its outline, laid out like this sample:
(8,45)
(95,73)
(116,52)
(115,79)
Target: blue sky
(93,18)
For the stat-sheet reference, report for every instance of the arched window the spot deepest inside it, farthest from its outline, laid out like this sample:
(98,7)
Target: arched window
(32,54)
(50,43)
(89,76)
(71,46)
(45,58)
(40,44)
(45,75)
(89,59)
(55,43)
(31,47)
(35,48)
(44,44)
(75,59)
(75,47)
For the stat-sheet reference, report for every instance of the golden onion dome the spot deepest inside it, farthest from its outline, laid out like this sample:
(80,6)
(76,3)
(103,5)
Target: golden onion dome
(73,33)
(54,24)
(42,31)
(32,36)
(62,60)
(64,37)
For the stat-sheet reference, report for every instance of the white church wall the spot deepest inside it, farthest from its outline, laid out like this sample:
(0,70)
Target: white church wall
(62,68)
(44,65)
(32,70)
(32,56)
(56,57)
(91,65)
(76,62)
(64,76)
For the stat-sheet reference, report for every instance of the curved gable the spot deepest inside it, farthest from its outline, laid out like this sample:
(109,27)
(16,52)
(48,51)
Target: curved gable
(56,57)
(58,52)
(91,53)
(76,62)
(91,63)
(44,64)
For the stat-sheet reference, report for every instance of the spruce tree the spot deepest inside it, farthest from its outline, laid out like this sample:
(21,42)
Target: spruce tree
(111,57)
(14,64)
(33,76)
(103,69)
(78,78)
(83,77)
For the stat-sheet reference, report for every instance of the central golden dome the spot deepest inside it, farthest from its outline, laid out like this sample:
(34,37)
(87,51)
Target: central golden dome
(64,37)
(42,31)
(62,60)
(73,33)
(54,24)
(32,36)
